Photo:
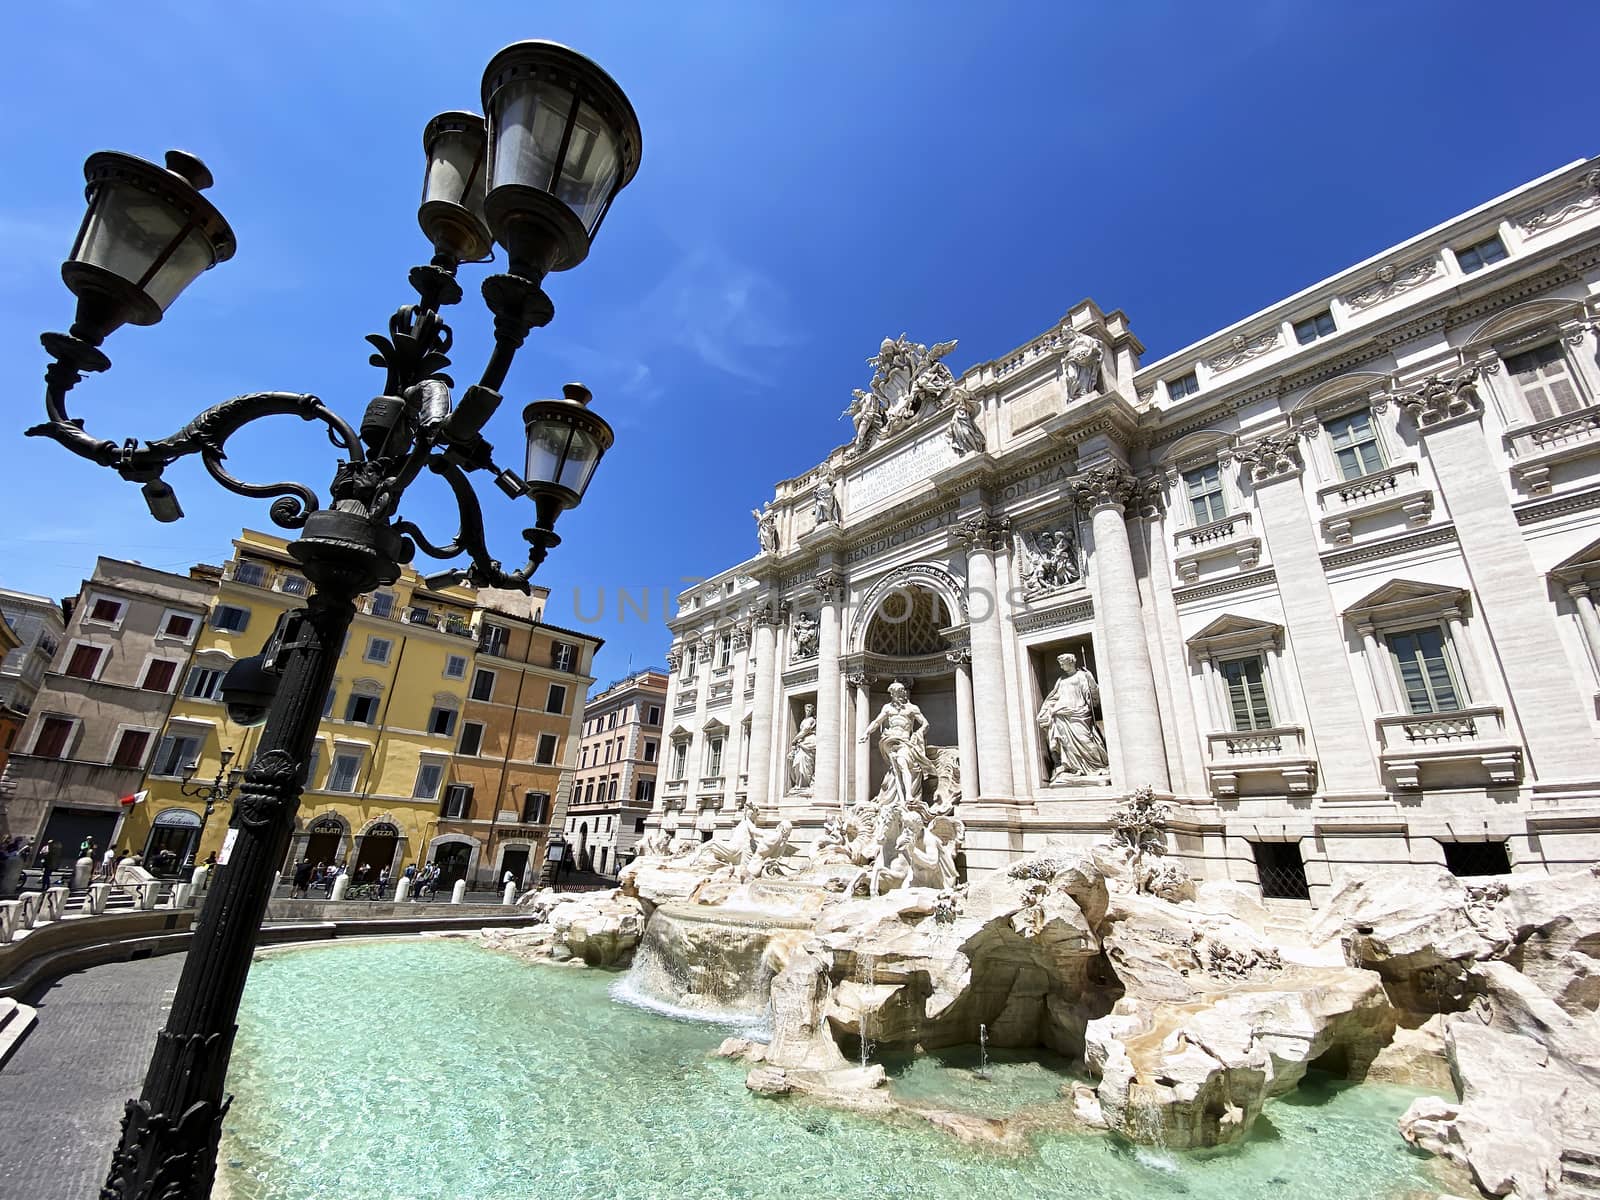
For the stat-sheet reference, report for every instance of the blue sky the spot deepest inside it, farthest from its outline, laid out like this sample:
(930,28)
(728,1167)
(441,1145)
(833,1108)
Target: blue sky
(815,177)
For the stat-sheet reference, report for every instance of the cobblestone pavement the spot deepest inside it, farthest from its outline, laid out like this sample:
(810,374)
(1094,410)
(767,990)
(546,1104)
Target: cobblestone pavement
(62,1092)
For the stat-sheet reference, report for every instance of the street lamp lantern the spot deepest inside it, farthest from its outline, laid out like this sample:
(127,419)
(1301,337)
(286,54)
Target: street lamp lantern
(563,141)
(565,443)
(453,189)
(147,235)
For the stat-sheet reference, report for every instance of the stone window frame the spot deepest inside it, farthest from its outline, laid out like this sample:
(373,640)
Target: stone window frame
(444,702)
(1567,322)
(122,730)
(716,746)
(74,734)
(178,727)
(431,759)
(346,748)
(1578,576)
(374,640)
(179,675)
(1207,447)
(72,647)
(1401,606)
(1340,397)
(679,758)
(196,623)
(455,658)
(1234,636)
(113,624)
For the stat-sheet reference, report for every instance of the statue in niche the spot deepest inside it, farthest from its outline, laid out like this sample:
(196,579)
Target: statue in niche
(907,375)
(803,753)
(1082,358)
(965,436)
(1067,717)
(805,637)
(766,528)
(1048,560)
(827,501)
(866,414)
(902,732)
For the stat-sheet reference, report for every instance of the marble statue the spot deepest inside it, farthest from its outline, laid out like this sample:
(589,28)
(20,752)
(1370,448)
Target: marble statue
(1048,560)
(1067,717)
(866,414)
(827,501)
(766,528)
(847,837)
(907,375)
(902,732)
(664,840)
(965,436)
(1083,357)
(908,849)
(746,849)
(805,637)
(803,753)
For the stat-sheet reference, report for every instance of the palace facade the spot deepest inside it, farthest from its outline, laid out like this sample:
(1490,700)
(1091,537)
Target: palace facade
(1330,571)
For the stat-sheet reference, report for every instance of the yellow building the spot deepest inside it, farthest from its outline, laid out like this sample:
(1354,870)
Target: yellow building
(386,759)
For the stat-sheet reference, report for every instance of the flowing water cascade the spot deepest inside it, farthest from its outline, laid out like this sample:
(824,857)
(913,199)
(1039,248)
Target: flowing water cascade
(983,1054)
(869,972)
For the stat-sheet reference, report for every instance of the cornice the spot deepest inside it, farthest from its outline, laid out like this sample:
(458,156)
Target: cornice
(1072,612)
(1423,539)
(1530,513)
(1242,582)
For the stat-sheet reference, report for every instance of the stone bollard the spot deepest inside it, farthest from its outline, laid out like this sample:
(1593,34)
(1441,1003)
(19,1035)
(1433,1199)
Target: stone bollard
(402,890)
(27,910)
(82,873)
(458,894)
(53,905)
(147,894)
(10,919)
(182,894)
(341,885)
(510,896)
(200,878)
(99,894)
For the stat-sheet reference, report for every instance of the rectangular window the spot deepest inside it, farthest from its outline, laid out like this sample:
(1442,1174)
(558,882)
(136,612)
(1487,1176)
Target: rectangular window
(294,585)
(1480,254)
(1477,858)
(455,666)
(725,650)
(654,717)
(1183,385)
(158,675)
(176,751)
(483,685)
(382,604)
(535,808)
(1204,487)
(342,775)
(85,661)
(327,701)
(471,738)
(442,721)
(363,710)
(1281,870)
(177,626)
(312,764)
(644,791)
(130,748)
(563,655)
(230,618)
(457,802)
(608,752)
(202,683)
(649,752)
(1424,670)
(54,734)
(556,700)
(638,825)
(691,661)
(429,776)
(419,614)
(680,759)
(1355,444)
(252,573)
(1546,382)
(714,757)
(588,793)
(378,650)
(492,639)
(1247,693)
(611,720)
(109,611)
(546,753)
(1313,327)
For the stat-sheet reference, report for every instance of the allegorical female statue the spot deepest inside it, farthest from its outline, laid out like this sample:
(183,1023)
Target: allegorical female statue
(1067,717)
(803,753)
(965,436)
(902,732)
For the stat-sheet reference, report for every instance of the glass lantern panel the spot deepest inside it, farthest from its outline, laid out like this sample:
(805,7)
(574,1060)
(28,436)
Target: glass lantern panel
(182,268)
(589,171)
(532,117)
(126,231)
(582,458)
(547,448)
(455,172)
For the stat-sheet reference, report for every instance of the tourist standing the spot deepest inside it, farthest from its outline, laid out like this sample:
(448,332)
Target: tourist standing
(302,879)
(108,861)
(46,861)
(383,881)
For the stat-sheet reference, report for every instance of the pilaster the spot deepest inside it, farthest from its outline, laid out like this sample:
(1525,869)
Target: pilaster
(993,734)
(825,788)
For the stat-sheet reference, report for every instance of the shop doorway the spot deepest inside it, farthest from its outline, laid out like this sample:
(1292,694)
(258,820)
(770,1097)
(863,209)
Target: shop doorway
(453,860)
(515,860)
(172,842)
(376,850)
(70,826)
(322,840)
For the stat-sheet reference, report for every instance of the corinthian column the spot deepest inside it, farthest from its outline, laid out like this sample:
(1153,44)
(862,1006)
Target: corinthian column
(966,720)
(757,793)
(981,535)
(825,787)
(1135,719)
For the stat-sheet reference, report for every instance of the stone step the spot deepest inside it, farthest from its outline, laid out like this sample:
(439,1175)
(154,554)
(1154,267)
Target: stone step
(1582,1174)
(15,1021)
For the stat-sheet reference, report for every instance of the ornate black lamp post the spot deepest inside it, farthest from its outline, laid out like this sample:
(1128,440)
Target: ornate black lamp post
(535,176)
(213,792)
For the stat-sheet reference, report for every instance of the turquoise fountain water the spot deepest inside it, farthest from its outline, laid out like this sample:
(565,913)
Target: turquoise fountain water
(441,1070)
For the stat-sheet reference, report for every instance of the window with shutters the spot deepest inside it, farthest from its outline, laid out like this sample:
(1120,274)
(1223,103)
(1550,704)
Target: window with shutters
(342,775)
(84,661)
(493,639)
(230,618)
(442,721)
(294,585)
(563,656)
(1245,681)
(1546,380)
(535,808)
(252,573)
(130,748)
(382,604)
(361,709)
(471,738)
(378,650)
(106,610)
(455,666)
(1355,444)
(54,736)
(1204,488)
(176,752)
(546,754)
(159,674)
(1427,678)
(429,776)
(457,804)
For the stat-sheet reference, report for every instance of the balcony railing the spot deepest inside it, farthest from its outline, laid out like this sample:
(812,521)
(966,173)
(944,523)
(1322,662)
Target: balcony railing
(1469,745)
(1232,535)
(1263,761)
(1536,448)
(1395,488)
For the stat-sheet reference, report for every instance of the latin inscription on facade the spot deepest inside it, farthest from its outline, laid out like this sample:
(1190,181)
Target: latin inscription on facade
(899,537)
(909,465)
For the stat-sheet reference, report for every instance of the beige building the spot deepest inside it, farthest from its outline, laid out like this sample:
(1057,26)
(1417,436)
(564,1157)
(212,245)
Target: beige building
(97,721)
(615,783)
